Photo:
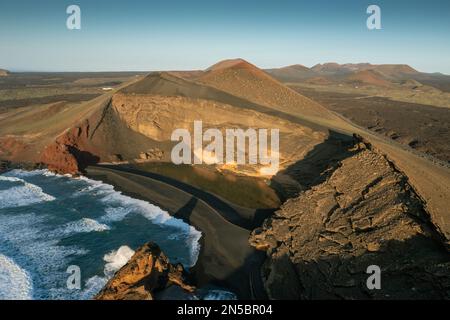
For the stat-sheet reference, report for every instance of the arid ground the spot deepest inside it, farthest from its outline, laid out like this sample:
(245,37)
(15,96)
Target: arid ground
(363,177)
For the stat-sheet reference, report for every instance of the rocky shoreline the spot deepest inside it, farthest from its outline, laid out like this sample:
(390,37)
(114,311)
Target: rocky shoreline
(6,165)
(146,274)
(319,243)
(226,259)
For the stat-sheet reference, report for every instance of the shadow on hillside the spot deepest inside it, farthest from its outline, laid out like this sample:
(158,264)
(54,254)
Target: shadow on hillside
(315,167)
(84,158)
(417,268)
(245,282)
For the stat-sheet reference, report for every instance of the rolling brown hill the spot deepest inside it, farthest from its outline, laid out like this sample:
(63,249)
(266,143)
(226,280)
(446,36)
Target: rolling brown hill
(294,73)
(242,79)
(321,81)
(4,73)
(396,71)
(368,77)
(146,112)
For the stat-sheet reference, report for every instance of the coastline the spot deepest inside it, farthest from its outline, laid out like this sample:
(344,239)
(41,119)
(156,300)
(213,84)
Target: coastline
(226,258)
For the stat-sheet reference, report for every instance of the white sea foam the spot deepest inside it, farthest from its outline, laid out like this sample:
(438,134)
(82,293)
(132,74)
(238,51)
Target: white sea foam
(18,173)
(92,286)
(117,259)
(120,206)
(84,225)
(114,214)
(26,238)
(15,283)
(23,194)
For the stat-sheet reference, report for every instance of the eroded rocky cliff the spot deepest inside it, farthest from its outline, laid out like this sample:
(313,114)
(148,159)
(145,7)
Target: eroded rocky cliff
(320,243)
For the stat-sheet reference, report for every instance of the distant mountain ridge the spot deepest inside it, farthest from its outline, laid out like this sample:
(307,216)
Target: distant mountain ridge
(363,73)
(4,73)
(335,69)
(387,69)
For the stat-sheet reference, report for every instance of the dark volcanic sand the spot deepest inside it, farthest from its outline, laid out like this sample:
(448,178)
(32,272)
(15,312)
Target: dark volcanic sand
(424,128)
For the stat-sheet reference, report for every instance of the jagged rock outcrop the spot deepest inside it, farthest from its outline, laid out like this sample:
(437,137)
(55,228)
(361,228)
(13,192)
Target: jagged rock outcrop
(68,154)
(147,272)
(320,243)
(59,159)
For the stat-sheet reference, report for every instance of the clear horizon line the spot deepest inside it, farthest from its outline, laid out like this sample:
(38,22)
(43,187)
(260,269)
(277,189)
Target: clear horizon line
(19,70)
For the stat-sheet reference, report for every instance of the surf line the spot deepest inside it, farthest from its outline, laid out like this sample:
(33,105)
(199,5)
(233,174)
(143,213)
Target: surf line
(191,150)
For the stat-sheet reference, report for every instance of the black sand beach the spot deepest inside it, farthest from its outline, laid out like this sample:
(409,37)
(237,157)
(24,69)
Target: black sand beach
(226,259)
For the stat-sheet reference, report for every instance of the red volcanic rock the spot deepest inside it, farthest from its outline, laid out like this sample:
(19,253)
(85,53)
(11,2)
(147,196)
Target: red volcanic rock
(68,153)
(10,146)
(58,158)
(75,135)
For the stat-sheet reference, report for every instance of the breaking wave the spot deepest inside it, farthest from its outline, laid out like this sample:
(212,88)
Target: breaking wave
(49,222)
(21,193)
(15,283)
(117,259)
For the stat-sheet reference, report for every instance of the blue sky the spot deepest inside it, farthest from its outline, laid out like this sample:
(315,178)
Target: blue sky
(169,35)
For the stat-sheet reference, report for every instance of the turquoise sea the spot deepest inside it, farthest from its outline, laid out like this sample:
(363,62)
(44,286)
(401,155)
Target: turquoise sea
(49,222)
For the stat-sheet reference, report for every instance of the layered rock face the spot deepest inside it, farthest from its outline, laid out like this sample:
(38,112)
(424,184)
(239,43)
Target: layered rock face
(157,117)
(136,123)
(147,272)
(320,244)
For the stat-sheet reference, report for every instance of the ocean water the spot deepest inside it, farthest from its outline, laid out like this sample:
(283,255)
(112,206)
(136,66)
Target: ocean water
(49,222)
